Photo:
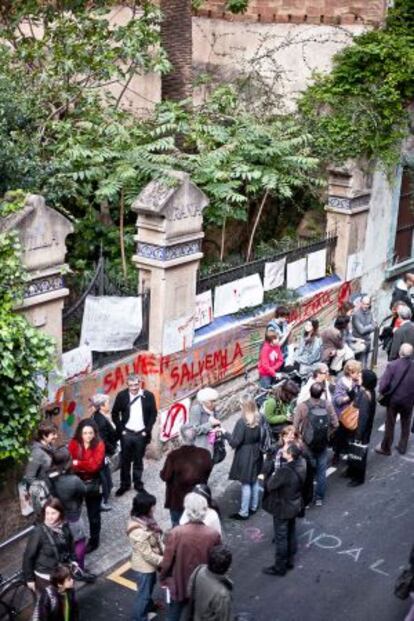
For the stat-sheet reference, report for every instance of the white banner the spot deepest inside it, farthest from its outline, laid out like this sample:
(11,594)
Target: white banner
(274,275)
(250,291)
(226,299)
(317,264)
(178,334)
(111,323)
(76,362)
(203,310)
(354,265)
(172,419)
(296,274)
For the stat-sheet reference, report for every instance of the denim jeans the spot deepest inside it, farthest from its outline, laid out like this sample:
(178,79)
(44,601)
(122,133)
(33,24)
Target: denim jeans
(175,517)
(266,381)
(249,497)
(174,611)
(321,463)
(285,539)
(142,601)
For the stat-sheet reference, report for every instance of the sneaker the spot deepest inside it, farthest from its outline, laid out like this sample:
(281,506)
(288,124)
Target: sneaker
(318,502)
(105,506)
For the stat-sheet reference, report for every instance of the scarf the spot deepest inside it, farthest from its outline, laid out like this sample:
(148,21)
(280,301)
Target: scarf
(146,521)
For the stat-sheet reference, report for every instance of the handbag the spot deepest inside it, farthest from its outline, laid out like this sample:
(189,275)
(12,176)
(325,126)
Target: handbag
(404,584)
(357,454)
(219,450)
(349,417)
(385,398)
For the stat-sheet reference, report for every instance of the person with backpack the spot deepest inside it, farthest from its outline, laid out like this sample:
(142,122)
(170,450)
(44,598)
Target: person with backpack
(316,420)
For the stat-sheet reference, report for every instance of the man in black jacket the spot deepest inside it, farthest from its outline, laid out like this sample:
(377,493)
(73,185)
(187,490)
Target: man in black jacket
(284,500)
(134,413)
(403,334)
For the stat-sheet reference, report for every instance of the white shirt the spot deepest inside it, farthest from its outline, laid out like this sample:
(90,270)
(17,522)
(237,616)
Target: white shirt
(305,395)
(136,419)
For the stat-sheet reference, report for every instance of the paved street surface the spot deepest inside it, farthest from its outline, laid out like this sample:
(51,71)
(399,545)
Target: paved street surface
(351,551)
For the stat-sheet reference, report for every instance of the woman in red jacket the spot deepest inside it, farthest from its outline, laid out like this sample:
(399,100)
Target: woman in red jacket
(270,359)
(88,454)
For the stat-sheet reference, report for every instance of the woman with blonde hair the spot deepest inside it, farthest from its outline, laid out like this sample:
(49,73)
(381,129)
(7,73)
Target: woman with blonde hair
(247,460)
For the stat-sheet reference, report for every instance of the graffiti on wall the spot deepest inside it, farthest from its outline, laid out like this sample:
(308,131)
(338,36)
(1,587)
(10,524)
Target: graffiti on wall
(172,418)
(176,377)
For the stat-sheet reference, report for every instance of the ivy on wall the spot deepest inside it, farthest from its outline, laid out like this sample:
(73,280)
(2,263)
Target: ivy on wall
(359,110)
(25,355)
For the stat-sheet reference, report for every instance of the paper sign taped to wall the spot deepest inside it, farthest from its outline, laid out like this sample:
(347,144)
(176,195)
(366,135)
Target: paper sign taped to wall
(172,419)
(77,362)
(226,299)
(178,334)
(250,291)
(274,274)
(296,274)
(317,264)
(354,266)
(111,323)
(203,314)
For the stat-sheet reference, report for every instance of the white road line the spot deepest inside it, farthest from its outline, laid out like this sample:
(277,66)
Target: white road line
(330,471)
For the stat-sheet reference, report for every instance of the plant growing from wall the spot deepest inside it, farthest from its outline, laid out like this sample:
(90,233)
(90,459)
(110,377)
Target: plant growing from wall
(25,355)
(359,110)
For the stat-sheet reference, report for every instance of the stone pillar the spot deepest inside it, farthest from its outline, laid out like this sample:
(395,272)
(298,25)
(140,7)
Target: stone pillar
(42,232)
(169,236)
(347,214)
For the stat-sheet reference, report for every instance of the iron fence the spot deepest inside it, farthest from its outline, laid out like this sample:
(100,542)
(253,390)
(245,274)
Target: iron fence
(258,265)
(101,284)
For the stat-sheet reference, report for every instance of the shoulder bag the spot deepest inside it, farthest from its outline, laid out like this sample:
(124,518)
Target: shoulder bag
(385,398)
(349,417)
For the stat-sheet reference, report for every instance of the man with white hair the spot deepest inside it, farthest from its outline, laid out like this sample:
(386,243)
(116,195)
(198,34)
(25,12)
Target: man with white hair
(186,548)
(363,325)
(184,468)
(404,334)
(320,375)
(397,386)
(203,418)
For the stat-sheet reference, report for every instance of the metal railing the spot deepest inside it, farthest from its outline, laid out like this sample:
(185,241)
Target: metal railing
(258,266)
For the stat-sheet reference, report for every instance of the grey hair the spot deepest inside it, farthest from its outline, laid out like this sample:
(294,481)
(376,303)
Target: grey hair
(406,350)
(404,313)
(196,507)
(188,433)
(321,367)
(98,400)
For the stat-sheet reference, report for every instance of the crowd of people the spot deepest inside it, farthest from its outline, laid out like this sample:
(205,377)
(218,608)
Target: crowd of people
(320,398)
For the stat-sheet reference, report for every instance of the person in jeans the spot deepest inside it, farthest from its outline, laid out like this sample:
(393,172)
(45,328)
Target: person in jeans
(183,469)
(398,380)
(316,421)
(134,413)
(284,501)
(147,550)
(247,460)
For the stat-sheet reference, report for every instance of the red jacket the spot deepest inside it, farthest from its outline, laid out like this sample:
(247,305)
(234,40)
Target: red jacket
(270,359)
(89,461)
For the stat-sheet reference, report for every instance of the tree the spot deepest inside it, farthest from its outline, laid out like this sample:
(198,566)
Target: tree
(177,40)
(25,355)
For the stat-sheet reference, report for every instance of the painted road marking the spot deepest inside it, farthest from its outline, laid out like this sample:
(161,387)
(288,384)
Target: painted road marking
(116,576)
(330,471)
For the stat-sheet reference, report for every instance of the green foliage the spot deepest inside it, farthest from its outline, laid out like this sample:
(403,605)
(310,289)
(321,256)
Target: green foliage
(359,110)
(25,354)
(13,201)
(237,6)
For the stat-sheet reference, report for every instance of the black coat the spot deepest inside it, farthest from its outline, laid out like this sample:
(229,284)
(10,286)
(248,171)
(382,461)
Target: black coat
(365,402)
(120,411)
(404,334)
(107,433)
(283,496)
(247,460)
(42,556)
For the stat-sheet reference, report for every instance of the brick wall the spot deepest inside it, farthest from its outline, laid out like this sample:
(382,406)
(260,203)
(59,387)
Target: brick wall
(302,11)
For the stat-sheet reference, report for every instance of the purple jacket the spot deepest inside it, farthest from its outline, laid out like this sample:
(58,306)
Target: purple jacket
(404,394)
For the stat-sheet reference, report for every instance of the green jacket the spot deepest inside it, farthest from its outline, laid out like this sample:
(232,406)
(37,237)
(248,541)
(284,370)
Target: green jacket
(275,411)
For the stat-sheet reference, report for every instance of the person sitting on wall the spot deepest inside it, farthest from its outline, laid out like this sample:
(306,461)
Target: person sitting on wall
(270,359)
(280,324)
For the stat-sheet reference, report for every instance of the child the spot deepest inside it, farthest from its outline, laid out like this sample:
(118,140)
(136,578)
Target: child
(145,538)
(57,601)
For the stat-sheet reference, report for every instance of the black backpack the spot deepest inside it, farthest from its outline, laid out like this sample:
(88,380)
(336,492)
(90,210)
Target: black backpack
(316,428)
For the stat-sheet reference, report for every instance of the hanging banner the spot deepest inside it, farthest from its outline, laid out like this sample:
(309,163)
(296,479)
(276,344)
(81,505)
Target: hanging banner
(316,264)
(172,419)
(274,275)
(250,291)
(296,274)
(178,334)
(76,363)
(226,299)
(111,323)
(203,314)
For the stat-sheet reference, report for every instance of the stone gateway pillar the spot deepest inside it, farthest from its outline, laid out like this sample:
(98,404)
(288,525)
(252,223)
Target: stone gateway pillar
(168,252)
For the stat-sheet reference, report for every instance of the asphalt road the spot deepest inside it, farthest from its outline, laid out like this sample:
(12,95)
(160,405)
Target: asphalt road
(351,551)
